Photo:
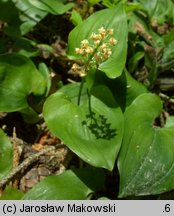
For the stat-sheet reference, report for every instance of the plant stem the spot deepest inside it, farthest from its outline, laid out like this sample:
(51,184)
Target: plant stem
(86,66)
(89,102)
(80,90)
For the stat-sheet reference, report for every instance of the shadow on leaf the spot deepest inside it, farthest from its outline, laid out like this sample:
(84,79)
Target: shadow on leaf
(99,126)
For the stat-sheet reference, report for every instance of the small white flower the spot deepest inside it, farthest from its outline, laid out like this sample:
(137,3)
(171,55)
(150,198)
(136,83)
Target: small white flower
(110,31)
(103,46)
(82,73)
(75,67)
(102,31)
(107,52)
(96,36)
(112,41)
(84,43)
(89,50)
(79,51)
(97,42)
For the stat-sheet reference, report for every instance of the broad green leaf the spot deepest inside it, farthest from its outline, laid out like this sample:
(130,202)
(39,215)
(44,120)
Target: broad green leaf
(75,184)
(76,19)
(25,47)
(124,88)
(11,194)
(137,25)
(111,3)
(92,130)
(20,45)
(146,159)
(167,62)
(93,2)
(54,6)
(109,18)
(6,155)
(133,89)
(43,69)
(169,37)
(160,10)
(104,198)
(72,91)
(131,6)
(9,14)
(168,54)
(29,15)
(134,60)
(18,79)
(170,121)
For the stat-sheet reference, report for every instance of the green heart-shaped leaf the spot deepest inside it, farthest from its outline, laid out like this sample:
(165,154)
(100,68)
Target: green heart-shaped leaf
(55,7)
(18,79)
(11,193)
(28,15)
(109,18)
(74,184)
(6,155)
(147,154)
(159,10)
(93,132)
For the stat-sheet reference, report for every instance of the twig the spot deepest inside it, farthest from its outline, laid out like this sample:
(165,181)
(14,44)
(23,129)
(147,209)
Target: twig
(64,165)
(71,81)
(166,97)
(25,164)
(16,153)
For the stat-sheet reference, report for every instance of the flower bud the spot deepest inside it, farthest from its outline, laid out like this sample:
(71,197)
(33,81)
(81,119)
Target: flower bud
(84,43)
(112,41)
(79,51)
(110,31)
(102,31)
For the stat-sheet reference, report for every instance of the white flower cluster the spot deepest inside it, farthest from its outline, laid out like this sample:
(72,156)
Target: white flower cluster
(94,51)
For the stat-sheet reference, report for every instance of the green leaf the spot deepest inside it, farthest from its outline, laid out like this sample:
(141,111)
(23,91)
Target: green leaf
(6,155)
(109,18)
(138,25)
(43,69)
(170,121)
(25,47)
(133,89)
(134,60)
(76,19)
(169,37)
(111,3)
(54,7)
(29,15)
(75,184)
(20,45)
(160,10)
(130,6)
(103,198)
(11,194)
(72,91)
(9,14)
(168,54)
(124,88)
(18,79)
(93,2)
(92,131)
(146,159)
